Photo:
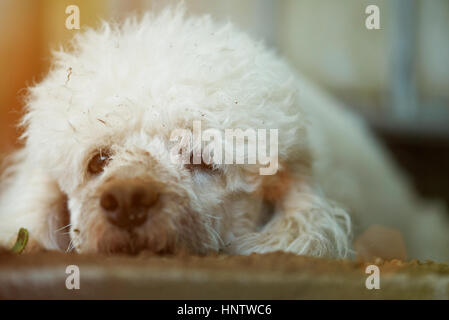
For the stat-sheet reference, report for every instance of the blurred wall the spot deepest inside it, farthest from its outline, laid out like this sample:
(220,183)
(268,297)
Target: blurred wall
(325,39)
(328,41)
(20,47)
(29,29)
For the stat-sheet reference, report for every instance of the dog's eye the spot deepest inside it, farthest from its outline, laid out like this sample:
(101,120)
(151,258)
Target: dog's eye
(98,162)
(200,166)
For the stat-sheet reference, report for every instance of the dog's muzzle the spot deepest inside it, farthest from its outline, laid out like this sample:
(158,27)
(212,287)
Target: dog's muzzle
(127,202)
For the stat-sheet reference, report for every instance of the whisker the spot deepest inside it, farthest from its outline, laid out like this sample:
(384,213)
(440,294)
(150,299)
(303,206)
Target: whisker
(70,246)
(220,240)
(213,217)
(62,228)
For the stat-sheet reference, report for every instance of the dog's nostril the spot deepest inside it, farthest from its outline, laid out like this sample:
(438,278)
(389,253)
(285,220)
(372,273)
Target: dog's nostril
(109,202)
(143,198)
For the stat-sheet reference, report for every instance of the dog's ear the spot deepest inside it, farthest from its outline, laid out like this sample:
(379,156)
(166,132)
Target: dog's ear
(52,232)
(31,199)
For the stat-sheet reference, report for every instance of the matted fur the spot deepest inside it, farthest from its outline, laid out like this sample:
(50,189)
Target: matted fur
(126,87)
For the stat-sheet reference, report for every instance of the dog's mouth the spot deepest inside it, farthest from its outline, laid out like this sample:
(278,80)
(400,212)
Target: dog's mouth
(131,246)
(132,243)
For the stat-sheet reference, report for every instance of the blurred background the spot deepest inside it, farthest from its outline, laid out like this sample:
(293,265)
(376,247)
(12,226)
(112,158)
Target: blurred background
(396,77)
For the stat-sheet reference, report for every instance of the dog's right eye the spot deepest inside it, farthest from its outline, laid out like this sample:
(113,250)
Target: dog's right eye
(98,163)
(203,166)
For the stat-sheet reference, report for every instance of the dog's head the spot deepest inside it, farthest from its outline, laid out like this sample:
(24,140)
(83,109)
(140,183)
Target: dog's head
(101,124)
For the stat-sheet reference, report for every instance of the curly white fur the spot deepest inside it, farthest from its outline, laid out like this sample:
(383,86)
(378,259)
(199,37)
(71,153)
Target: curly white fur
(126,87)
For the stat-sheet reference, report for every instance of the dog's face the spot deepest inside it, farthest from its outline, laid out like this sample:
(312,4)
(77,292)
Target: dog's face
(101,123)
(133,197)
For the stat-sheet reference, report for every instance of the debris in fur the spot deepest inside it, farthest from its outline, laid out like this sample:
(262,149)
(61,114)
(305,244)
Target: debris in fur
(21,242)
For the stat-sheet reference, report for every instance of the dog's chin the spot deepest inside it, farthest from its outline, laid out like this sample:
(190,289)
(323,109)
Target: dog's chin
(133,243)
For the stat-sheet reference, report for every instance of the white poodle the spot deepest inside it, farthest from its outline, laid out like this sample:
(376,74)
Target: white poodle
(97,174)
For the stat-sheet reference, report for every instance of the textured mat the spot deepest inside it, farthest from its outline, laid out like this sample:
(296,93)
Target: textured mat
(270,276)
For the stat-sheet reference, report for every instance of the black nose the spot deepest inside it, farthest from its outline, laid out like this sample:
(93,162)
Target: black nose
(126,202)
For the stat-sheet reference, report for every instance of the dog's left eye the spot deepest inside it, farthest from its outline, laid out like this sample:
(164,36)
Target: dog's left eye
(98,162)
